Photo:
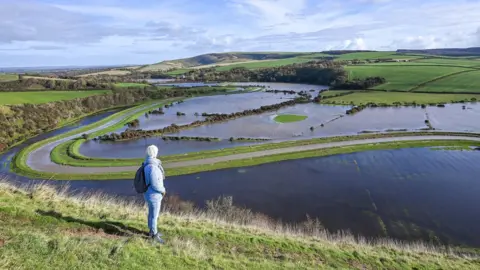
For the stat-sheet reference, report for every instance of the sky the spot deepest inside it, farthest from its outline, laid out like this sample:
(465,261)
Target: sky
(118,32)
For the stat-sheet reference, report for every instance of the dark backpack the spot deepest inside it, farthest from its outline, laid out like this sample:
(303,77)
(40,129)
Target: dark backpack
(139,182)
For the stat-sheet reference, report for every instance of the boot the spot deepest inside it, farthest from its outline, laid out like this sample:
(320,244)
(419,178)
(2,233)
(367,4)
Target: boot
(158,239)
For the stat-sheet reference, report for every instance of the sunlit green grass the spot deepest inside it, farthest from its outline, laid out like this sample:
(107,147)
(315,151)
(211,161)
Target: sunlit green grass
(464,82)
(389,98)
(289,118)
(402,78)
(11,98)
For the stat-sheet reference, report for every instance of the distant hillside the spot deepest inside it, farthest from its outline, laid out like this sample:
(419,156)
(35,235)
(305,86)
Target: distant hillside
(475,51)
(220,58)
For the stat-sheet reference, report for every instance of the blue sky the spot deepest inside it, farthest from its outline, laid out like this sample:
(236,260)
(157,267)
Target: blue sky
(104,32)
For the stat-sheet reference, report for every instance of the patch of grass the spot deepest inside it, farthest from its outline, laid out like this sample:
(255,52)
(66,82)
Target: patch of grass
(331,93)
(126,85)
(289,118)
(449,62)
(100,232)
(463,82)
(401,78)
(11,98)
(390,98)
(112,72)
(265,63)
(373,55)
(8,77)
(179,71)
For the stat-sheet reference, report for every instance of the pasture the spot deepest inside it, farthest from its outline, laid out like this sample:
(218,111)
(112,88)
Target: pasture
(8,77)
(389,98)
(464,82)
(401,78)
(127,85)
(12,98)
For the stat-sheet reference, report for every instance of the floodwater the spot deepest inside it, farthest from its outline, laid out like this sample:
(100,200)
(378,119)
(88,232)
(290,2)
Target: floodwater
(409,194)
(454,117)
(209,104)
(136,148)
(334,119)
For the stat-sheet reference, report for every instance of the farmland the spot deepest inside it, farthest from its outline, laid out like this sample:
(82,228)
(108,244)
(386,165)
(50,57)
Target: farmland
(8,77)
(401,78)
(10,98)
(464,82)
(390,98)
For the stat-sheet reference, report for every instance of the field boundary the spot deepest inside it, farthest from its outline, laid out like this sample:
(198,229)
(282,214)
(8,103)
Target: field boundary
(440,78)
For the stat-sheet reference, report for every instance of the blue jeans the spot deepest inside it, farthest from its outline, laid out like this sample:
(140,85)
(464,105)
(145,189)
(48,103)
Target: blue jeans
(154,202)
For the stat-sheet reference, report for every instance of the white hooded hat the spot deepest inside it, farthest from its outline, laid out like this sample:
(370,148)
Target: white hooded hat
(152,151)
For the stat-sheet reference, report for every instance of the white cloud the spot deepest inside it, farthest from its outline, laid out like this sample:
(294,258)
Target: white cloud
(124,32)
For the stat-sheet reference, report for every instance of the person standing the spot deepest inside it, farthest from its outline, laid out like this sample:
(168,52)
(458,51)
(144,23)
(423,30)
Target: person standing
(154,176)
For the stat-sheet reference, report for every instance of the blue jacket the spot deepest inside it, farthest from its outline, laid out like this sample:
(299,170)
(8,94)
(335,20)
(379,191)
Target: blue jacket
(154,175)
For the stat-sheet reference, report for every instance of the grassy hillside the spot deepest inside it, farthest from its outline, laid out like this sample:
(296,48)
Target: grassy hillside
(11,98)
(220,58)
(96,232)
(400,77)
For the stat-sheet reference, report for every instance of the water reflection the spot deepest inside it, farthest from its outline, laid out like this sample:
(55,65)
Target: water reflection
(408,194)
(454,117)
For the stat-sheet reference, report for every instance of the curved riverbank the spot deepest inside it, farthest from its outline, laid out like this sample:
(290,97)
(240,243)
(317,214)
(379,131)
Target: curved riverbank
(68,152)
(50,170)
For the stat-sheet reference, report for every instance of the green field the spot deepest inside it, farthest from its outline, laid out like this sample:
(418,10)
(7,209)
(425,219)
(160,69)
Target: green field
(265,64)
(451,62)
(373,55)
(332,93)
(8,77)
(401,78)
(289,118)
(464,82)
(390,98)
(10,98)
(126,85)
(100,232)
(179,71)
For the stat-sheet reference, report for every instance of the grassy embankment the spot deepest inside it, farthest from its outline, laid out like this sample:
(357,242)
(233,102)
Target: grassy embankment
(20,167)
(68,153)
(289,118)
(11,98)
(94,231)
(125,116)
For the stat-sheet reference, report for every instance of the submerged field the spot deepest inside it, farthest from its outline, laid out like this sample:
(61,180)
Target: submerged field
(10,98)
